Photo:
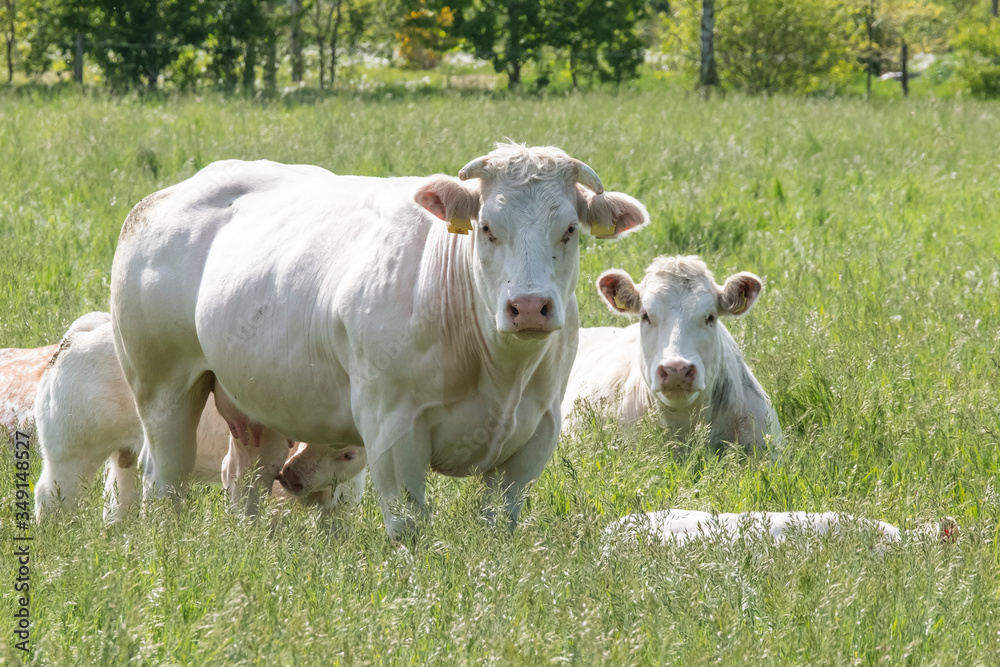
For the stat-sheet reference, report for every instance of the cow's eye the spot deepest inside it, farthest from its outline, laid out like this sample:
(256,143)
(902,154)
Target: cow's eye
(489,234)
(710,320)
(569,233)
(348,456)
(644,316)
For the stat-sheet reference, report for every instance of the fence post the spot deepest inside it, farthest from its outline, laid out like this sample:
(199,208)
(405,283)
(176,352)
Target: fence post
(78,63)
(906,74)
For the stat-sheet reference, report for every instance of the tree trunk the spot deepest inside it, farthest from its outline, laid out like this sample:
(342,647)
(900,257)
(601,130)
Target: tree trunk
(11,37)
(271,64)
(905,78)
(708,76)
(513,73)
(996,7)
(322,64)
(78,61)
(250,66)
(868,84)
(514,45)
(334,35)
(295,39)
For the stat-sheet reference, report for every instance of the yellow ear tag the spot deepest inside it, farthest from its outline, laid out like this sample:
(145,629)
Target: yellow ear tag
(459,226)
(602,231)
(621,306)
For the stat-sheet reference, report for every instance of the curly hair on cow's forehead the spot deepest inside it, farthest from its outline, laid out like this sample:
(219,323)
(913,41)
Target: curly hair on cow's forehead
(688,267)
(520,162)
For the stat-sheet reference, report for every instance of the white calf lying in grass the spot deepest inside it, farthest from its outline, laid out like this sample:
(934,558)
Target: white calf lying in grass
(678,526)
(85,415)
(679,359)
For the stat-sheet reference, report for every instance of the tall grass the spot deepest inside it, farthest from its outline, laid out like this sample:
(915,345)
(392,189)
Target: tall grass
(875,227)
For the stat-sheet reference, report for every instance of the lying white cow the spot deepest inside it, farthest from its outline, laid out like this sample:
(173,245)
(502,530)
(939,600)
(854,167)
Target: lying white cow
(678,526)
(20,371)
(679,359)
(85,415)
(340,309)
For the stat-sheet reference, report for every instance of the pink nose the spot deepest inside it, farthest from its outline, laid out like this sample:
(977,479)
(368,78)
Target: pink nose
(676,375)
(289,479)
(530,313)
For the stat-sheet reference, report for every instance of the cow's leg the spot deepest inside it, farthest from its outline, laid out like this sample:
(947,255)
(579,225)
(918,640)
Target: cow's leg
(251,465)
(121,489)
(170,414)
(399,473)
(512,476)
(59,484)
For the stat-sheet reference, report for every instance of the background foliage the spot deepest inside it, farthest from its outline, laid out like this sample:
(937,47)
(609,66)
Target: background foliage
(763,46)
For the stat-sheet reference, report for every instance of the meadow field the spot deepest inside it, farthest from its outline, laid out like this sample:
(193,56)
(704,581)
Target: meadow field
(875,227)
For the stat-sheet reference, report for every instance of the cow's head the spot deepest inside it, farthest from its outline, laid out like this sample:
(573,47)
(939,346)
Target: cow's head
(679,306)
(311,468)
(525,208)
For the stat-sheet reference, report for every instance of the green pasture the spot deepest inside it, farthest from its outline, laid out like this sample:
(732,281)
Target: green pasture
(876,228)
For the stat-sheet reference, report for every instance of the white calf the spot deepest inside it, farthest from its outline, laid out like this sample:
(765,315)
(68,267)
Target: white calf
(20,371)
(678,526)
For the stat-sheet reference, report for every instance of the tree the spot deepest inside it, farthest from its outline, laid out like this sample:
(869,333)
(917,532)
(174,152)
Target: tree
(425,37)
(236,30)
(977,45)
(600,37)
(340,25)
(708,75)
(765,46)
(507,33)
(132,40)
(9,17)
(295,38)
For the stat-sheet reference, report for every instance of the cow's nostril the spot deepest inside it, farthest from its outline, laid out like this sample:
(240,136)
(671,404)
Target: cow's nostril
(514,312)
(545,310)
(288,479)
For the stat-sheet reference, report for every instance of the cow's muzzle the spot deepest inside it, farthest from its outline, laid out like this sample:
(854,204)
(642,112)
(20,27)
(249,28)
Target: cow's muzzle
(530,316)
(290,480)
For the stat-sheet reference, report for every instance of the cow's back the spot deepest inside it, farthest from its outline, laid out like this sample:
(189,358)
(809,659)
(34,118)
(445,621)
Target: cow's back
(606,376)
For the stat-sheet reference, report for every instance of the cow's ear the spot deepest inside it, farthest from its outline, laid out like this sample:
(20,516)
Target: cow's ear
(450,199)
(610,215)
(739,294)
(620,292)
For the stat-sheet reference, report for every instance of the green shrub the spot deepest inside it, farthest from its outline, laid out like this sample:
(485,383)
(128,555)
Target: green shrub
(978,47)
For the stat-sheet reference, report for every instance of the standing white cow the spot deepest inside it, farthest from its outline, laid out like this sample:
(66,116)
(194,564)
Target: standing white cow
(85,415)
(339,309)
(679,358)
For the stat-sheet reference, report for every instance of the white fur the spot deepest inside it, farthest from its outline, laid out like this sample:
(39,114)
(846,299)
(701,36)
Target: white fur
(678,526)
(85,415)
(20,371)
(616,369)
(334,309)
